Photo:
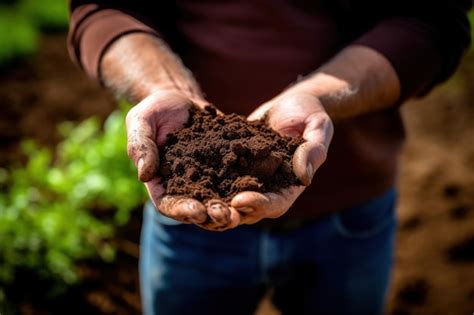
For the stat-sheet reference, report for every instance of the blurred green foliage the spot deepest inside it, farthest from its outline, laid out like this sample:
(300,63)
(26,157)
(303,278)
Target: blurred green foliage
(46,14)
(18,36)
(471,20)
(46,223)
(22,21)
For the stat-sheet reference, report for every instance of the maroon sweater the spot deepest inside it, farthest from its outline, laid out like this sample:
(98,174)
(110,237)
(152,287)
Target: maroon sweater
(244,52)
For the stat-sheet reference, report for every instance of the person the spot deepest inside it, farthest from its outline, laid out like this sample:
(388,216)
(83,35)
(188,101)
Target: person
(313,67)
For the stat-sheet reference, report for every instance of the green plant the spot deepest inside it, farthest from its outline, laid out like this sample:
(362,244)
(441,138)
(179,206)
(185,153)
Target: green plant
(46,207)
(46,14)
(18,35)
(21,22)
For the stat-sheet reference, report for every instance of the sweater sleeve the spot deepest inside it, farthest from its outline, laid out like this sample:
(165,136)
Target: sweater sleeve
(94,26)
(424,43)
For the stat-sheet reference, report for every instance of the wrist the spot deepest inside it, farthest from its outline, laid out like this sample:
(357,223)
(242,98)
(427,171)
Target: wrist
(356,81)
(330,91)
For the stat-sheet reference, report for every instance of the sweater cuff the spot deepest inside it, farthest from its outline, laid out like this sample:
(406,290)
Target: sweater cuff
(410,46)
(96,31)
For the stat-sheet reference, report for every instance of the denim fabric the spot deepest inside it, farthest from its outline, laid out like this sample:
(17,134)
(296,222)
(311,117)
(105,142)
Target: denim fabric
(336,265)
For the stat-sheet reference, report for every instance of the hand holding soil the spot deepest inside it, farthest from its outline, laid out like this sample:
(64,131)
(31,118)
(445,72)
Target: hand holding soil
(291,114)
(220,171)
(216,157)
(300,114)
(148,124)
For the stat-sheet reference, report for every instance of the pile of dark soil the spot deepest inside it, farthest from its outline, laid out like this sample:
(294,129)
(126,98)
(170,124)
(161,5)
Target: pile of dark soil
(217,156)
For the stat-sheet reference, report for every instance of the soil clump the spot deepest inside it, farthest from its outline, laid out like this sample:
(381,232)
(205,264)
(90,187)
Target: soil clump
(217,156)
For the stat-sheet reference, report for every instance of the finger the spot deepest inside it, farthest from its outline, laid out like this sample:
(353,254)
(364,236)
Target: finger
(281,201)
(250,219)
(309,156)
(197,214)
(252,206)
(141,147)
(223,217)
(235,220)
(186,210)
(268,205)
(287,196)
(245,210)
(260,112)
(202,104)
(218,212)
(250,199)
(155,189)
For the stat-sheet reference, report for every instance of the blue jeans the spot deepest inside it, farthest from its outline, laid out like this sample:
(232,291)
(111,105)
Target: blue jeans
(339,264)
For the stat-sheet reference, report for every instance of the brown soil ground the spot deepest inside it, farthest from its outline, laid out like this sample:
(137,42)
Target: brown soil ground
(434,264)
(44,91)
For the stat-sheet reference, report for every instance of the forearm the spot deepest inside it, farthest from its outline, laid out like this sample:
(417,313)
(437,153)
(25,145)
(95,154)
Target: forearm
(358,80)
(138,64)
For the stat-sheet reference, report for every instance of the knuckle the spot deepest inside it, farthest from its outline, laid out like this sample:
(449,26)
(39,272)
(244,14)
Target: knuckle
(299,100)
(131,115)
(131,150)
(321,153)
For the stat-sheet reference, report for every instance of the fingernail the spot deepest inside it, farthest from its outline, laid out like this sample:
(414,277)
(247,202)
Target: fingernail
(218,211)
(196,216)
(309,172)
(140,163)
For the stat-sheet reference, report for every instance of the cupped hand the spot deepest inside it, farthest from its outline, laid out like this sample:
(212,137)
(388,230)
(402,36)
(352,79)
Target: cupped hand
(148,124)
(290,114)
(150,121)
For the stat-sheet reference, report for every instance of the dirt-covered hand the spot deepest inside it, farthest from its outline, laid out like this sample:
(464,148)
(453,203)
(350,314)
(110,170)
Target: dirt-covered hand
(148,124)
(291,114)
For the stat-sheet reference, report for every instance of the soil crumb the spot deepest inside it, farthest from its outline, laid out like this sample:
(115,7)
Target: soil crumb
(451,191)
(217,156)
(414,292)
(411,224)
(459,212)
(462,251)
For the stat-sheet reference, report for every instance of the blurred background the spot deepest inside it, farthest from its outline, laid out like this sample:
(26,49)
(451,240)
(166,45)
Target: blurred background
(70,202)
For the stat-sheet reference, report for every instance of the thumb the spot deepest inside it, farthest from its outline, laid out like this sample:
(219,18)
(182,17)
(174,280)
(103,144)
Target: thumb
(141,147)
(310,155)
